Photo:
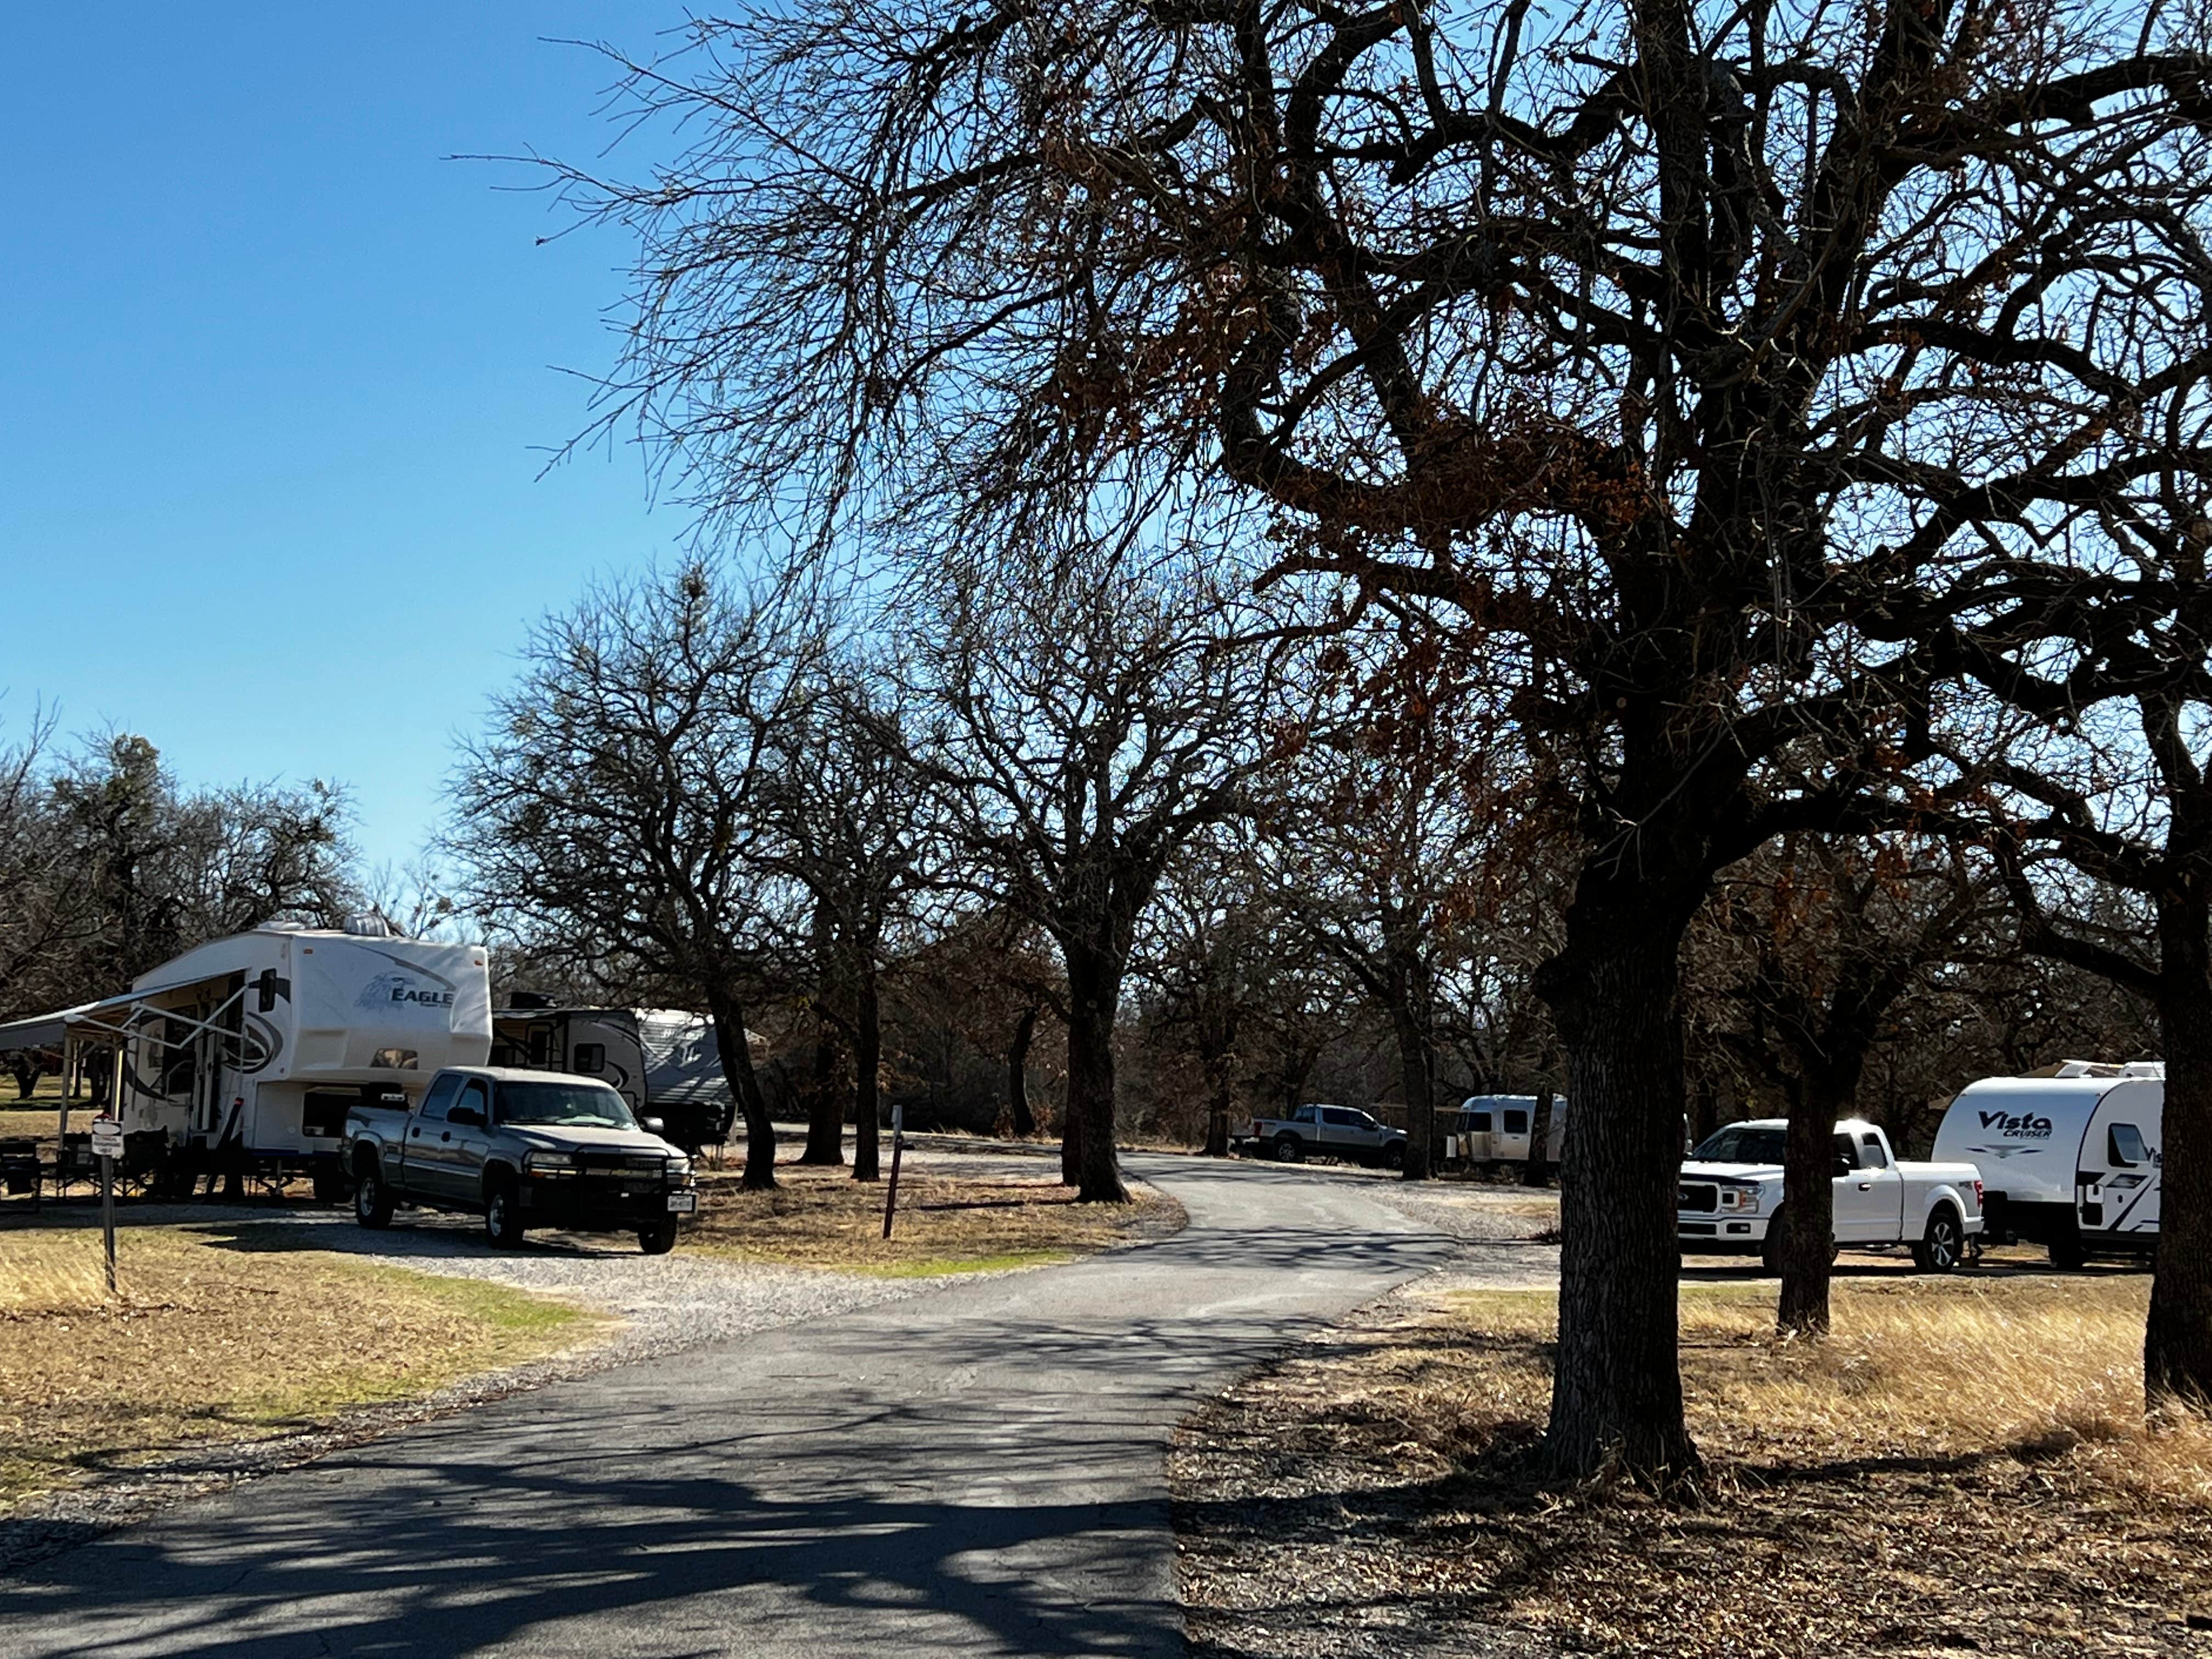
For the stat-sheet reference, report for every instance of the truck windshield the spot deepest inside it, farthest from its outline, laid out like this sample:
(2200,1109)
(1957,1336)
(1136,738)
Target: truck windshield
(574,1105)
(1741,1144)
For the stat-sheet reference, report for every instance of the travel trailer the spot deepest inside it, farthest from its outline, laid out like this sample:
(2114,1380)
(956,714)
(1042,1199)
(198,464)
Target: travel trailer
(599,1042)
(2069,1158)
(245,1055)
(661,1061)
(1499,1129)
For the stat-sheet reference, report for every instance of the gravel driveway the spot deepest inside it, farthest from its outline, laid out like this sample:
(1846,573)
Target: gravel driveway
(665,1303)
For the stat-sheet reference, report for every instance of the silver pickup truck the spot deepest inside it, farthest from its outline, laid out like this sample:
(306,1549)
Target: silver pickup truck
(523,1149)
(1324,1132)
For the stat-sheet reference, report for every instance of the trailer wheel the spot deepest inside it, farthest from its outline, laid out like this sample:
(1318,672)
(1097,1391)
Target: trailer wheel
(1944,1242)
(372,1198)
(658,1237)
(2067,1254)
(503,1214)
(1289,1150)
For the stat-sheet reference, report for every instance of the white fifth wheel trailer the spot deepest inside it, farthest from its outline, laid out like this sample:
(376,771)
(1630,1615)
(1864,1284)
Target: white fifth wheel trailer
(2070,1160)
(245,1054)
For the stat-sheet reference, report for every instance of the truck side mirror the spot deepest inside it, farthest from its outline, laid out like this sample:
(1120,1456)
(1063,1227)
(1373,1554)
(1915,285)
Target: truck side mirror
(652,1125)
(1845,1166)
(466,1116)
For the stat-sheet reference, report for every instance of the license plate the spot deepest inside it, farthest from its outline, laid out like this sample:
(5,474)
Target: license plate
(682,1203)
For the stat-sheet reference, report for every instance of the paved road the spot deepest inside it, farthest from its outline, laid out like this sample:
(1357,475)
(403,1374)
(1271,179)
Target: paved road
(974,1472)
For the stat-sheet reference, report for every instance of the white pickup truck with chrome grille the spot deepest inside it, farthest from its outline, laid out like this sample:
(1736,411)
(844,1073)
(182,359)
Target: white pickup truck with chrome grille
(1730,1196)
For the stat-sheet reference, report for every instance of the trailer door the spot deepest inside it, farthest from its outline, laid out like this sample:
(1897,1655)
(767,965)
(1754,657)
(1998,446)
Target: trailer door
(2122,1159)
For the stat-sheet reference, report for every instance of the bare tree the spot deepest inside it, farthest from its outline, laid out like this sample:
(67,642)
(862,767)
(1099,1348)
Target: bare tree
(1381,830)
(855,824)
(619,797)
(1092,717)
(1816,941)
(1674,347)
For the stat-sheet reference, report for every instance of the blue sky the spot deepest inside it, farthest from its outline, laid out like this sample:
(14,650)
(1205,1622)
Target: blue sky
(277,378)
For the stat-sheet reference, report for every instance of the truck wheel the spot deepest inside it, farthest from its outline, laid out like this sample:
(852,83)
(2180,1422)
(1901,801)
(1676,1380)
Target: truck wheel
(1770,1248)
(1393,1155)
(658,1237)
(503,1214)
(2067,1254)
(1939,1249)
(372,1198)
(1288,1150)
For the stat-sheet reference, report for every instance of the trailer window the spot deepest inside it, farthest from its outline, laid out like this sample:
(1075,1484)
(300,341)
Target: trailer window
(1517,1123)
(1481,1122)
(1870,1154)
(2127,1145)
(590,1057)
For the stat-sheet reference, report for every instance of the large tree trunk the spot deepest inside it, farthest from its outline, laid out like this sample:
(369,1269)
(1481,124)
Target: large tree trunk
(2178,1338)
(825,1106)
(1809,1211)
(1094,991)
(727,1013)
(1540,1141)
(867,1066)
(1022,1119)
(1414,1065)
(1617,1389)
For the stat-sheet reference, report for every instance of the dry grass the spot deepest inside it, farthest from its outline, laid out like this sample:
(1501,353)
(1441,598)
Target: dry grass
(214,1339)
(1963,1465)
(946,1223)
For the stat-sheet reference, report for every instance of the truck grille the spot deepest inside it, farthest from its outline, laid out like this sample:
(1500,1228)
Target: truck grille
(1705,1198)
(632,1172)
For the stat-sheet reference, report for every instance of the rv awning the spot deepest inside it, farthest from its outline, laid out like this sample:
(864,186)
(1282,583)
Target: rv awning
(105,1017)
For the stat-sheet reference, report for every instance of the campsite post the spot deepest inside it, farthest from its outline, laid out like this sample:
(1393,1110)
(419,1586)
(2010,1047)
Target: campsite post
(898,1145)
(106,1142)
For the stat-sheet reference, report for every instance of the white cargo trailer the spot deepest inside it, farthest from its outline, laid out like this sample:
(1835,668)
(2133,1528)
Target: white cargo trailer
(2070,1160)
(245,1054)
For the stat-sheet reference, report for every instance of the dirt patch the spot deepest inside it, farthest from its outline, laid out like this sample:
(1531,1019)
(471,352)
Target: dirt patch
(946,1223)
(1962,1468)
(209,1342)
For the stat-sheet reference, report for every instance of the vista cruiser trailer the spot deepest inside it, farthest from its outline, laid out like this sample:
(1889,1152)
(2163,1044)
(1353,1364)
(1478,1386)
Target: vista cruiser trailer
(2070,1159)
(663,1061)
(244,1054)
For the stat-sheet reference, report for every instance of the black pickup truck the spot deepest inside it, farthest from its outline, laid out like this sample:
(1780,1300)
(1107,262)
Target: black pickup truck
(523,1149)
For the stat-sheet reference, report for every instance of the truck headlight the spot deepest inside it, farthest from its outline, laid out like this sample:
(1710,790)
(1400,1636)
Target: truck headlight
(1744,1200)
(549,1164)
(680,1170)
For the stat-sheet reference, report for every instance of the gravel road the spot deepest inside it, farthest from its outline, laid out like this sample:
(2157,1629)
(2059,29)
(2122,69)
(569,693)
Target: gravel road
(666,1305)
(977,1471)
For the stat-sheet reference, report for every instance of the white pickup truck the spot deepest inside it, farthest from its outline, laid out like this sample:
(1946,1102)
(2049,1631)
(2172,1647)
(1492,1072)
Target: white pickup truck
(1730,1196)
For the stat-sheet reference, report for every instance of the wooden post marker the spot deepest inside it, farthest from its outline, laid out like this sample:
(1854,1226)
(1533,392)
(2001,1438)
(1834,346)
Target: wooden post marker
(898,1145)
(108,1147)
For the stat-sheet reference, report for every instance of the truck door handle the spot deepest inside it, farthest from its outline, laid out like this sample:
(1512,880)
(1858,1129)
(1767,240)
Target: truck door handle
(1866,1186)
(414,1134)
(448,1135)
